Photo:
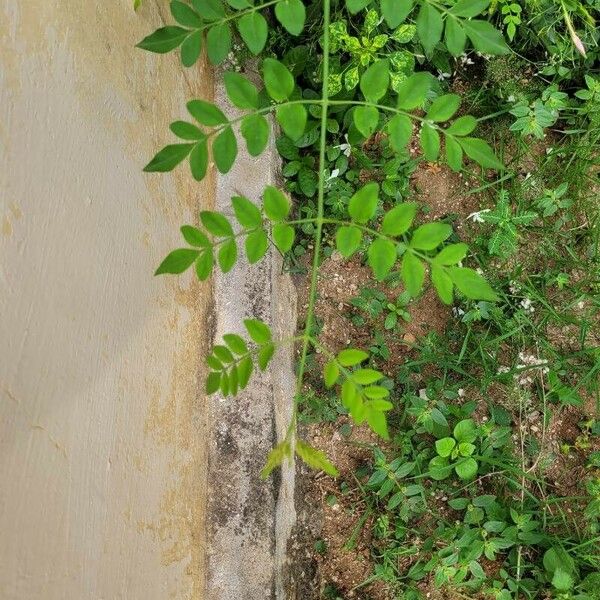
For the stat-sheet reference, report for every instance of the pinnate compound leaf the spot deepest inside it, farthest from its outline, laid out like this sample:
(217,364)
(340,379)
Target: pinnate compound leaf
(291,14)
(363,204)
(471,284)
(246,212)
(381,257)
(256,245)
(278,79)
(375,81)
(168,158)
(258,331)
(254,30)
(241,92)
(315,458)
(347,240)
(430,235)
(255,130)
(177,261)
(413,273)
(164,39)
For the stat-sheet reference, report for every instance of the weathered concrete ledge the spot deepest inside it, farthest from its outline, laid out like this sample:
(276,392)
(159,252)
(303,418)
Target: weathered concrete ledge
(250,520)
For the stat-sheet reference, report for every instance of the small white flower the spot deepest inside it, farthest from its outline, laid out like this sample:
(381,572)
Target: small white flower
(511,98)
(465,60)
(503,370)
(335,173)
(457,312)
(461,393)
(476,216)
(580,304)
(346,148)
(527,306)
(441,76)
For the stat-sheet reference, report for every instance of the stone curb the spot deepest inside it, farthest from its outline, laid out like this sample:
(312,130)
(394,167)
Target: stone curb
(249,520)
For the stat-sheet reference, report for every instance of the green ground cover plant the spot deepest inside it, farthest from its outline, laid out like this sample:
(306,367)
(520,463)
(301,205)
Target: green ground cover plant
(485,481)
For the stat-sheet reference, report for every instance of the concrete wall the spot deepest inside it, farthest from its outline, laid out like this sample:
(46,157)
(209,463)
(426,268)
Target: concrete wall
(101,424)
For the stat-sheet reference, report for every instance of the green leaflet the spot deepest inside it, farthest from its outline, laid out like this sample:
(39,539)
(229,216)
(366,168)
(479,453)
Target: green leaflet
(254,30)
(429,139)
(363,204)
(278,80)
(292,118)
(315,458)
(164,39)
(348,240)
(381,257)
(291,14)
(399,129)
(429,27)
(276,204)
(185,15)
(255,130)
(241,92)
(375,81)
(178,261)
(366,119)
(396,11)
(481,152)
(225,149)
(218,43)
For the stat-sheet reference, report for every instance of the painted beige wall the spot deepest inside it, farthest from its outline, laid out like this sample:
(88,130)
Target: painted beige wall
(101,423)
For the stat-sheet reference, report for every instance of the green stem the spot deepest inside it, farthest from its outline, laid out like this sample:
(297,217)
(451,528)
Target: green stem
(320,210)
